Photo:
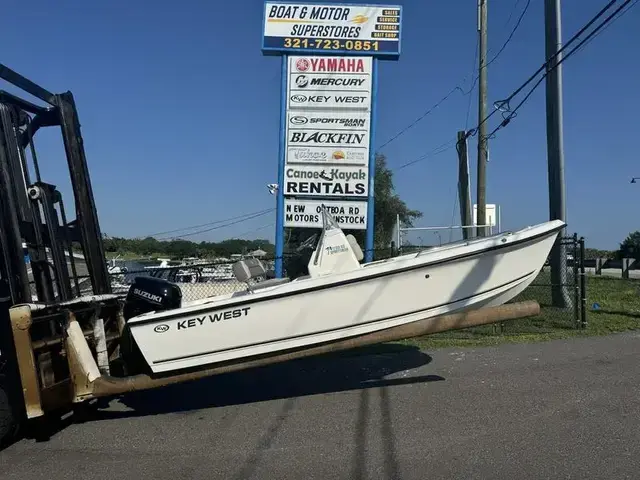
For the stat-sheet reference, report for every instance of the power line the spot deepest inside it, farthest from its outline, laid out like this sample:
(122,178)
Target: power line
(504,104)
(473,69)
(207,224)
(458,87)
(256,229)
(436,151)
(240,220)
(513,32)
(504,45)
(629,7)
(417,120)
(513,113)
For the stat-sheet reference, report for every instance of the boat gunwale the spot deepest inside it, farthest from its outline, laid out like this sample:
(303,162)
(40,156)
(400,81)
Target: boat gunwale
(510,284)
(275,293)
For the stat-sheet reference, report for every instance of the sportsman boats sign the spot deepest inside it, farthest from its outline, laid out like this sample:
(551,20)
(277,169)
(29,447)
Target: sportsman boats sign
(330,181)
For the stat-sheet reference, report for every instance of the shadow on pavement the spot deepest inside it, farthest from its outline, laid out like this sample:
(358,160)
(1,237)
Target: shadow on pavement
(357,369)
(353,370)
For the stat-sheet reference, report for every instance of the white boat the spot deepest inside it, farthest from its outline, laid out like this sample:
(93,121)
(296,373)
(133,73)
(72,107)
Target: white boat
(339,298)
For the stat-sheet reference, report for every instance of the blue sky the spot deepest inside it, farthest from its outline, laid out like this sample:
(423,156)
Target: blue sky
(180,110)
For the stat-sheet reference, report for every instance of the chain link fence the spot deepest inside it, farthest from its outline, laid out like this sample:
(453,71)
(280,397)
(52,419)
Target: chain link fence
(562,302)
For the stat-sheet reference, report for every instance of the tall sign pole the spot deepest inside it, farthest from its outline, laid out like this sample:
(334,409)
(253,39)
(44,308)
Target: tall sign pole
(330,55)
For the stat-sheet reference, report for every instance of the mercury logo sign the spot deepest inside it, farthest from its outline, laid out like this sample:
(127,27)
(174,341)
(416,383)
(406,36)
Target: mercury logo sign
(302,81)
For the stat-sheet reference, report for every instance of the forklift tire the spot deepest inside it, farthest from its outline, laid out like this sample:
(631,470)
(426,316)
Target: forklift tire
(8,421)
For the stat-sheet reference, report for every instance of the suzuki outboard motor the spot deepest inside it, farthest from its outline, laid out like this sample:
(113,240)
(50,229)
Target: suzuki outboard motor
(149,294)
(146,294)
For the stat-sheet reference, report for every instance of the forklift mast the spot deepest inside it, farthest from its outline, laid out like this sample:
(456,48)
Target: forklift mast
(39,247)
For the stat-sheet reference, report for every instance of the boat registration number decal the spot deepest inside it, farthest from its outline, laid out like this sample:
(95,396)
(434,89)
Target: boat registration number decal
(213,318)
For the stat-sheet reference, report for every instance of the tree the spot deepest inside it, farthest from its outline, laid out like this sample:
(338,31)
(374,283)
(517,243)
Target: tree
(388,205)
(630,247)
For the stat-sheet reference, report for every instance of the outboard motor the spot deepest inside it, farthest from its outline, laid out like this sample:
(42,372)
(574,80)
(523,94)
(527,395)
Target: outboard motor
(149,294)
(146,294)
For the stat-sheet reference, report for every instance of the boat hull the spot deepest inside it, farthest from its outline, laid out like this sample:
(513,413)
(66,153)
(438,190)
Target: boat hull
(385,295)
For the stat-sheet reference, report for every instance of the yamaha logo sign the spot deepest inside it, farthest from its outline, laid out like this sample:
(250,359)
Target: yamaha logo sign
(302,64)
(161,328)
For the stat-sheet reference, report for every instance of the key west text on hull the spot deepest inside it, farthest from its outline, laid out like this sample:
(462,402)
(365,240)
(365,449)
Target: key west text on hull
(342,298)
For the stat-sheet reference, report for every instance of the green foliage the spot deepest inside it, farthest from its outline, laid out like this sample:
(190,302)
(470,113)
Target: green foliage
(592,253)
(630,247)
(180,248)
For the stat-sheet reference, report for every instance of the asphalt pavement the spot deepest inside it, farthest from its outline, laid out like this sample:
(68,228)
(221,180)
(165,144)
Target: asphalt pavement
(562,409)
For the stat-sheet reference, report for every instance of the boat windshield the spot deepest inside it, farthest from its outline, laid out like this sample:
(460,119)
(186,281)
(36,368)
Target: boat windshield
(328,222)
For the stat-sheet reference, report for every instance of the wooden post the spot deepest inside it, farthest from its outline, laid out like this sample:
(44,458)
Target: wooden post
(482,124)
(464,193)
(626,264)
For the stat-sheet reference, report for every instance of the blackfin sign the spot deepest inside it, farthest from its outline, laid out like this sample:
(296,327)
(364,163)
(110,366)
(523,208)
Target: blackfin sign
(326,181)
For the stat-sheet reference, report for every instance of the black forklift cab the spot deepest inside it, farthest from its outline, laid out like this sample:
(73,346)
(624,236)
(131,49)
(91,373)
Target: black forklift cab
(37,241)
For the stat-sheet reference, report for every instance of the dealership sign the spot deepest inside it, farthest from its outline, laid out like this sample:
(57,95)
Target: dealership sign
(307,213)
(369,30)
(329,82)
(328,110)
(329,181)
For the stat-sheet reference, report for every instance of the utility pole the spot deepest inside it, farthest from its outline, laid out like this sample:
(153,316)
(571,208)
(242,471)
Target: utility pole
(482,113)
(555,150)
(464,194)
